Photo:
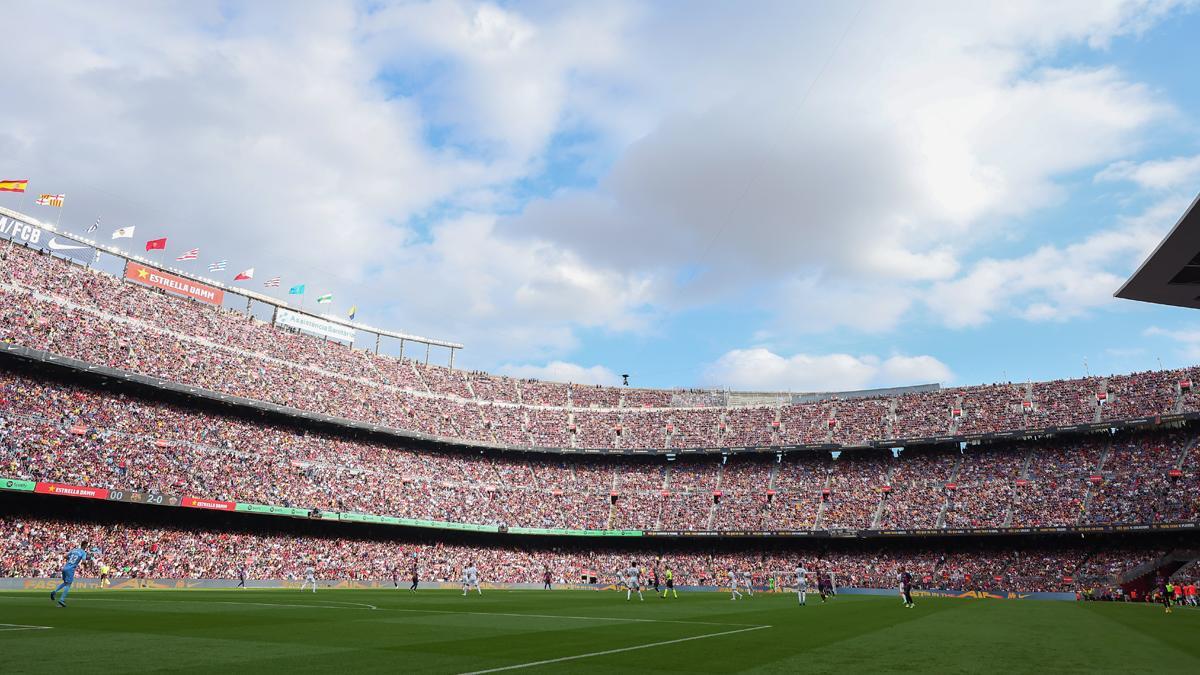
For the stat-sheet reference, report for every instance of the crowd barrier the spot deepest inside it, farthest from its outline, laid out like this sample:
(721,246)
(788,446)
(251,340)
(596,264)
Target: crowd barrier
(49,583)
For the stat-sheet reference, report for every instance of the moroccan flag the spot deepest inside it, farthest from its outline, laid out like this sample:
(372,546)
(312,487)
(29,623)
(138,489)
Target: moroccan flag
(325,299)
(242,276)
(13,185)
(156,244)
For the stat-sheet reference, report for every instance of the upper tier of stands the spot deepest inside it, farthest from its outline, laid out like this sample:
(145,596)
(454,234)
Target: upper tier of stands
(59,306)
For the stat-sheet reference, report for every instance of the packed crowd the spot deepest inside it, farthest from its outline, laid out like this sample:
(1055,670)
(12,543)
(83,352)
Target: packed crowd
(57,432)
(58,306)
(35,547)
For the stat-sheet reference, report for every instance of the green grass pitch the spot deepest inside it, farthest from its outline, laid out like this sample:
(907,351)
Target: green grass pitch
(344,631)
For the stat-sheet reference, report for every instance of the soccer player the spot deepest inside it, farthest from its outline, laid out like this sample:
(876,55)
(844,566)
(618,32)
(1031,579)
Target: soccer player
(670,584)
(748,582)
(545,578)
(1168,592)
(906,587)
(310,577)
(802,585)
(242,577)
(415,578)
(105,572)
(471,576)
(633,582)
(733,584)
(654,578)
(74,559)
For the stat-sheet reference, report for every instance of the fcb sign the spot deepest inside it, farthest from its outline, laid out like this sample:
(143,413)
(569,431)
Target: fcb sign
(150,276)
(20,231)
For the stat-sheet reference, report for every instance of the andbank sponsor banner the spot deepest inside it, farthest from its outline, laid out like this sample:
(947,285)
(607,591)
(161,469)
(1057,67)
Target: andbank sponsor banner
(150,276)
(313,325)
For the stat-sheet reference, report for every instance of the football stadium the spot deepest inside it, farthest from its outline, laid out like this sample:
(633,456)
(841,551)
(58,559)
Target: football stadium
(462,337)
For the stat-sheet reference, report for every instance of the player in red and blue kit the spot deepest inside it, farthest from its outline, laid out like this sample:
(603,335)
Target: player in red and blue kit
(906,587)
(74,559)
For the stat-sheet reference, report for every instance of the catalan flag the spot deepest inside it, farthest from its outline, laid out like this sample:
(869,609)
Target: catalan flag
(13,185)
(51,200)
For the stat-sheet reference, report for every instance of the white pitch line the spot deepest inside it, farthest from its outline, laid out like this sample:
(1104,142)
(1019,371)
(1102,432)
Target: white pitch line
(18,626)
(613,651)
(423,611)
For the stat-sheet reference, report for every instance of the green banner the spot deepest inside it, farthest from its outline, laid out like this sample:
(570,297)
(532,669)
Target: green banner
(272,510)
(17,485)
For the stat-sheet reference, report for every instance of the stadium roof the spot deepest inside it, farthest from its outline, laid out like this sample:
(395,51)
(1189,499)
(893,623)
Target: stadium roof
(1171,275)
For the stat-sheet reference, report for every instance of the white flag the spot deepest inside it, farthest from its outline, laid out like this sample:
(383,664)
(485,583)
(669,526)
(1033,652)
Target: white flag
(123,233)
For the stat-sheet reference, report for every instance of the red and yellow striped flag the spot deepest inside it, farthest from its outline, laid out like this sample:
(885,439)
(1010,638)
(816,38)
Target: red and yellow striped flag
(13,185)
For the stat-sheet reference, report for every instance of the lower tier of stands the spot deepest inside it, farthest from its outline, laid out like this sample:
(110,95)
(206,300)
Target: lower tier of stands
(142,541)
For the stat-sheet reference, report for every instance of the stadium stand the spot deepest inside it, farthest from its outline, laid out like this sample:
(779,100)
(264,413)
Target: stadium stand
(61,307)
(56,432)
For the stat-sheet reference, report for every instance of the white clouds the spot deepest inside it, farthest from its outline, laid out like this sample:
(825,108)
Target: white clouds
(1158,175)
(1187,340)
(504,297)
(1051,283)
(877,184)
(759,369)
(1054,283)
(377,150)
(561,371)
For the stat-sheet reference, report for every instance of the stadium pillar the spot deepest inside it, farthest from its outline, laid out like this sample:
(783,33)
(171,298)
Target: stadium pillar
(452,358)
(377,344)
(426,353)
(401,349)
(248,306)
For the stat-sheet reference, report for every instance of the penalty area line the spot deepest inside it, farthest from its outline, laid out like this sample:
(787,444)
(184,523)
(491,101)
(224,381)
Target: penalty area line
(619,650)
(19,626)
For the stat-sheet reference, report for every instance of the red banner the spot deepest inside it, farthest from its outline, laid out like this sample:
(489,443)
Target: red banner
(214,504)
(71,490)
(144,274)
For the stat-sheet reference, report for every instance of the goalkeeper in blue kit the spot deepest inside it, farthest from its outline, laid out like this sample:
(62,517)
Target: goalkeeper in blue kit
(76,557)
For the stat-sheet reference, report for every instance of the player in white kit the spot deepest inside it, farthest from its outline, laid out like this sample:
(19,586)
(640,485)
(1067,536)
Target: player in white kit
(733,584)
(633,582)
(748,582)
(802,585)
(471,579)
(310,577)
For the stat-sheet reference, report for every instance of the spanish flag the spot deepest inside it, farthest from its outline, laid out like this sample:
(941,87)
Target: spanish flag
(13,185)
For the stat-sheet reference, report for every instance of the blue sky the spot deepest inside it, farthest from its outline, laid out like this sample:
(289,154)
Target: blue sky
(785,195)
